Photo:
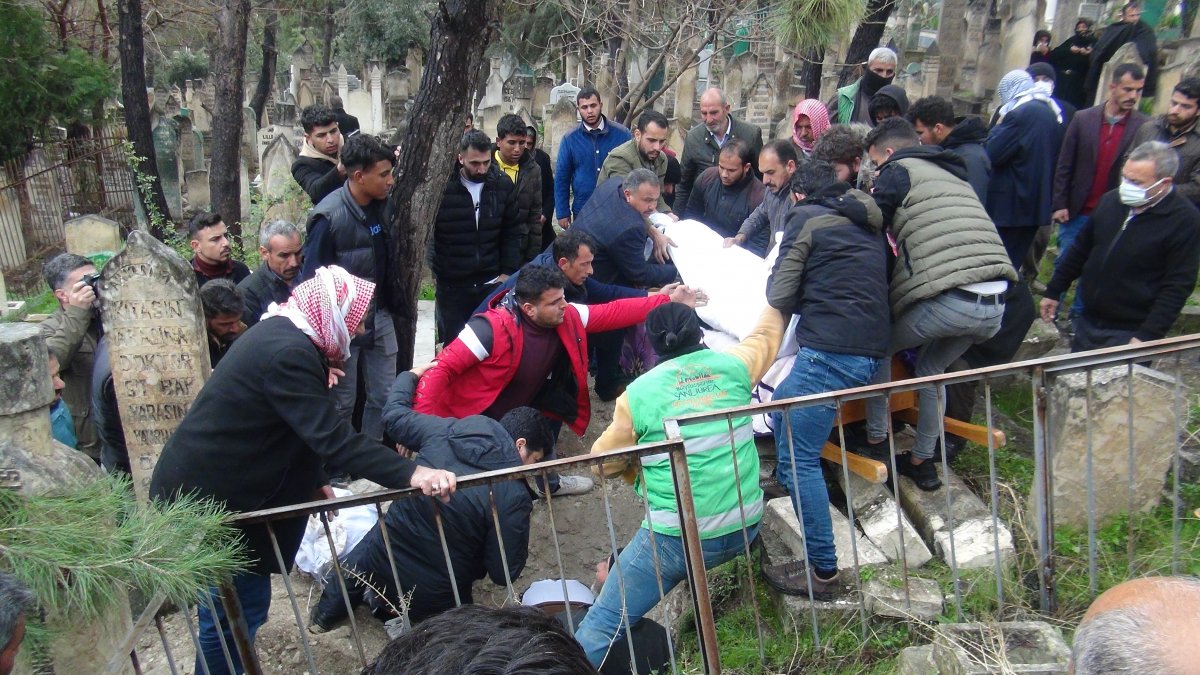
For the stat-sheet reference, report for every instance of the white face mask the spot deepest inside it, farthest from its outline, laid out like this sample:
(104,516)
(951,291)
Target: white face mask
(1134,195)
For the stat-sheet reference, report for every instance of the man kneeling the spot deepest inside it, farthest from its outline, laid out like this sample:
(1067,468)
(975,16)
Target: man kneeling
(688,379)
(470,445)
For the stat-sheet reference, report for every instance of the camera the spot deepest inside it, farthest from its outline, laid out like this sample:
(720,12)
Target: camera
(92,280)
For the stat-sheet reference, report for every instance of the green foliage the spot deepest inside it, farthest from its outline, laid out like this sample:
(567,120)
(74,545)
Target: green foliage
(80,550)
(381,29)
(528,29)
(42,85)
(800,24)
(185,64)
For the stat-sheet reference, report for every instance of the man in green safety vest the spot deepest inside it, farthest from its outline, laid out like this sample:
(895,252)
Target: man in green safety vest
(689,378)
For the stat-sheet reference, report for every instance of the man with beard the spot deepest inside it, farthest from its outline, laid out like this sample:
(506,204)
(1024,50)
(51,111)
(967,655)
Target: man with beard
(705,140)
(279,248)
(810,121)
(1178,129)
(223,306)
(726,194)
(212,254)
(852,102)
(644,150)
(777,163)
(71,334)
(1071,60)
(933,119)
(317,169)
(581,153)
(1129,29)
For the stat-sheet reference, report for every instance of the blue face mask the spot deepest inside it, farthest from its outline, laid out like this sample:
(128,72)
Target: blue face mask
(1134,195)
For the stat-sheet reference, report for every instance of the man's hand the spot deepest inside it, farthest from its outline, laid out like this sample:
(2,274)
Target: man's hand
(341,169)
(434,482)
(736,240)
(334,374)
(403,451)
(1049,306)
(1061,216)
(420,370)
(673,217)
(323,493)
(82,295)
(564,223)
(683,295)
(662,245)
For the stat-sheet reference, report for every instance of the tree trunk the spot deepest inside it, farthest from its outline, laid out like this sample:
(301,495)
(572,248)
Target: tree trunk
(132,47)
(266,76)
(462,31)
(810,72)
(228,69)
(866,37)
(327,53)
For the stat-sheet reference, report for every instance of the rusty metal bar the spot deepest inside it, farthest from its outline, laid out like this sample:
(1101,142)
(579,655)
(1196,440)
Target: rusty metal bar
(437,521)
(401,598)
(187,618)
(1042,489)
(737,482)
(287,583)
(162,635)
(562,573)
(940,394)
(693,557)
(508,584)
(241,632)
(1093,580)
(616,567)
(212,608)
(662,594)
(862,610)
(341,581)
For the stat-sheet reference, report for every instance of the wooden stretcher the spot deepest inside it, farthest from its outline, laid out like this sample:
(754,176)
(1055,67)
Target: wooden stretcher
(903,405)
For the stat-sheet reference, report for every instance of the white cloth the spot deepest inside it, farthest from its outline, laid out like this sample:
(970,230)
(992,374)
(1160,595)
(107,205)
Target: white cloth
(348,528)
(551,590)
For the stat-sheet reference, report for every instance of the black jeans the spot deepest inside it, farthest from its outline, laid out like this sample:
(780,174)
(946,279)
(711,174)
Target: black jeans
(1017,241)
(454,305)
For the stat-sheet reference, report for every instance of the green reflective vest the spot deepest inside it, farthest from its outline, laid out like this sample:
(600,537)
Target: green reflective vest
(702,381)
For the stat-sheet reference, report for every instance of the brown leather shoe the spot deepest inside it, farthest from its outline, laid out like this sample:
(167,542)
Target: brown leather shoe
(792,578)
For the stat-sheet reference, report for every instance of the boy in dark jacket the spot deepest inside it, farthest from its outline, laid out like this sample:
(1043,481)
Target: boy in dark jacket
(317,169)
(523,170)
(832,271)
(476,549)
(933,119)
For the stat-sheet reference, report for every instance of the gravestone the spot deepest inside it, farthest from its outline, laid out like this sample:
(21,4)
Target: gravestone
(565,90)
(564,118)
(166,155)
(1154,441)
(277,167)
(187,143)
(267,136)
(244,191)
(150,306)
(92,234)
(518,91)
(250,138)
(343,83)
(375,123)
(199,197)
(541,93)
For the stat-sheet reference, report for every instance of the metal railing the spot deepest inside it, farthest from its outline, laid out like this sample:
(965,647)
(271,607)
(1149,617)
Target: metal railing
(947,543)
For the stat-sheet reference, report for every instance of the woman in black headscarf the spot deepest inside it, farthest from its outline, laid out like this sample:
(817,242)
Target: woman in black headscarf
(1041,48)
(1070,61)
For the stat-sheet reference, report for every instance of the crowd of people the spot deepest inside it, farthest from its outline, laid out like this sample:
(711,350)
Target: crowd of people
(898,226)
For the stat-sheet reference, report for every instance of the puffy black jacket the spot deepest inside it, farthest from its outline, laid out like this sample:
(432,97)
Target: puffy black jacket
(465,446)
(724,209)
(832,271)
(967,140)
(529,205)
(467,253)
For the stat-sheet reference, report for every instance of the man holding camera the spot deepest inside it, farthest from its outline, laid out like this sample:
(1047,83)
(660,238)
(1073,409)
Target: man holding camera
(71,334)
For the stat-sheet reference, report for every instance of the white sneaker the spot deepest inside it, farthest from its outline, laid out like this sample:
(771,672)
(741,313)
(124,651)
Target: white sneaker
(573,485)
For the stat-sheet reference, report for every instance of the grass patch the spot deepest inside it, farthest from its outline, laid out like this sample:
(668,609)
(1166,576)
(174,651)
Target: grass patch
(42,303)
(427,292)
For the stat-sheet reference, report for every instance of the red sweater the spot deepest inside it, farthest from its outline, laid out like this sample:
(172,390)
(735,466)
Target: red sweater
(473,369)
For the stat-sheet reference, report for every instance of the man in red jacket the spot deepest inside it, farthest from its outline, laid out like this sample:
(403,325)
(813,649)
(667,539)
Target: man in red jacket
(530,349)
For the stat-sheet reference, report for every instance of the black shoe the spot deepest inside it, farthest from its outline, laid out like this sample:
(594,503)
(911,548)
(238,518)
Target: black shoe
(924,474)
(772,488)
(791,578)
(954,444)
(879,452)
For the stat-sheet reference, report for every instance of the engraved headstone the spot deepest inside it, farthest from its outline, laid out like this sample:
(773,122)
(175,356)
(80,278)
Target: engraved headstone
(277,167)
(564,90)
(564,118)
(91,234)
(150,306)
(199,197)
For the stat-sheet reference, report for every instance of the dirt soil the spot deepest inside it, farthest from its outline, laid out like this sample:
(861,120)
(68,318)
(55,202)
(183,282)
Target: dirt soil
(583,540)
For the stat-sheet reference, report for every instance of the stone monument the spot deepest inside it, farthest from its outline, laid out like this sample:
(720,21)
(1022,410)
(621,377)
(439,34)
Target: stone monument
(150,306)
(90,234)
(166,155)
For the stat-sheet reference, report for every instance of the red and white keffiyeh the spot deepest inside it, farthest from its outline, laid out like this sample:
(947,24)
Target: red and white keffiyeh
(817,115)
(328,309)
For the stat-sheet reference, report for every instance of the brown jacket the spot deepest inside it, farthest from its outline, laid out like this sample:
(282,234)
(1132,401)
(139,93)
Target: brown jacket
(1186,145)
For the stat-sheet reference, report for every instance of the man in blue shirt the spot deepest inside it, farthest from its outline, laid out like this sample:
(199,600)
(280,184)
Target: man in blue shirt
(581,153)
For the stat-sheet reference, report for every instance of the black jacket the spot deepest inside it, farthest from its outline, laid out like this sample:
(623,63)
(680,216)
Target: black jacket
(468,254)
(259,290)
(543,162)
(259,432)
(724,209)
(529,204)
(832,271)
(700,151)
(467,446)
(347,123)
(240,271)
(967,140)
(114,454)
(316,177)
(1111,39)
(620,234)
(1136,274)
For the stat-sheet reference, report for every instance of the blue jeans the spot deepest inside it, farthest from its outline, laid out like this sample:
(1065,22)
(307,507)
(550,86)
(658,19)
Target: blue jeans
(1066,236)
(799,465)
(604,626)
(254,593)
(944,327)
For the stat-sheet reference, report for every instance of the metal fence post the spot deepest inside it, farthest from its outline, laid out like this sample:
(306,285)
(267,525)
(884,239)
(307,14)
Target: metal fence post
(693,555)
(241,632)
(1043,486)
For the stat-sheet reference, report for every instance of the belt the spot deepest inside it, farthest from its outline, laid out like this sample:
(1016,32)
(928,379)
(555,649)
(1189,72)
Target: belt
(994,299)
